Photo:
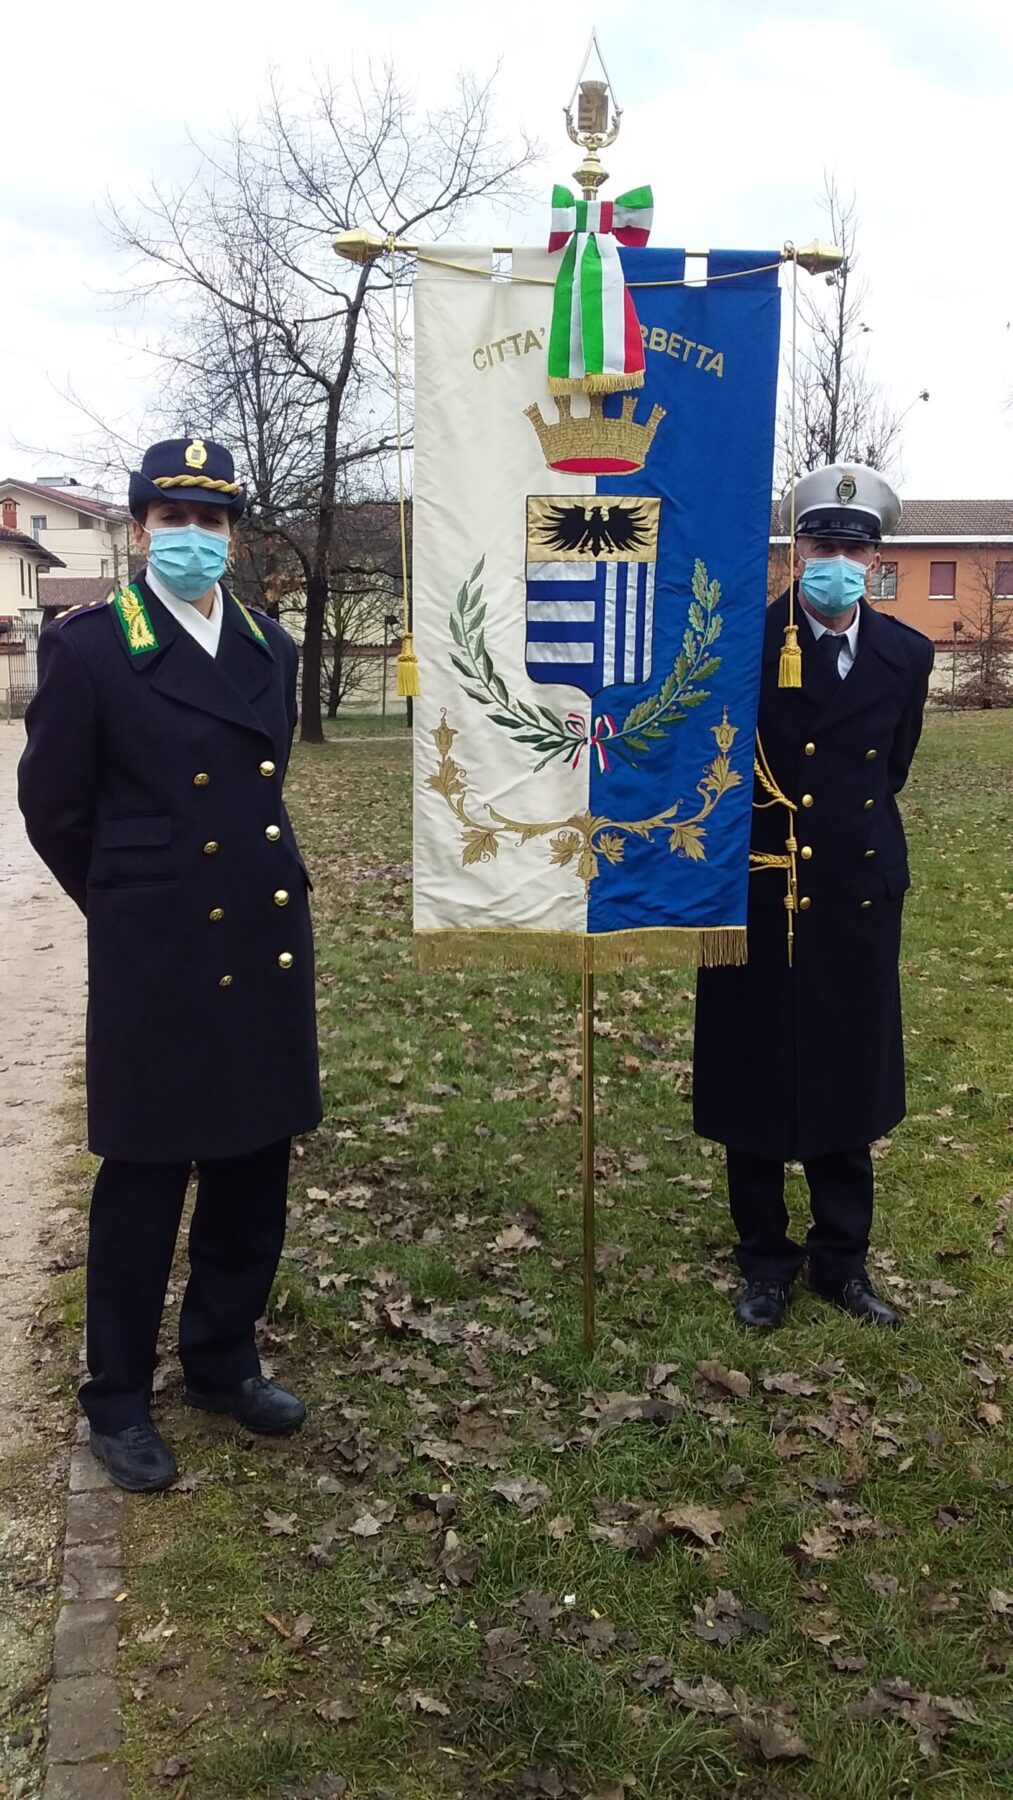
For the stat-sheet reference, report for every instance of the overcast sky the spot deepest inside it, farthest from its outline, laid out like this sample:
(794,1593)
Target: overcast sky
(733,110)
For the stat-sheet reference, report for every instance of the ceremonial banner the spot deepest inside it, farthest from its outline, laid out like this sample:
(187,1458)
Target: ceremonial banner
(589,594)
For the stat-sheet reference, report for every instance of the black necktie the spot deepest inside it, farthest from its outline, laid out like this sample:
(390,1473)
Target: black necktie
(828,649)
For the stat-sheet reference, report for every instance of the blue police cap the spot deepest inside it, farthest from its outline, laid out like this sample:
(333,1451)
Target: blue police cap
(193,469)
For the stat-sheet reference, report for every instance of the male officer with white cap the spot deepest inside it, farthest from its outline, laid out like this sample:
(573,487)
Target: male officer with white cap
(799,1055)
(152,787)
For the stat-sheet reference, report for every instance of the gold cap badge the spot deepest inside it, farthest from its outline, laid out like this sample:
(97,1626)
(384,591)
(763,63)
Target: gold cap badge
(846,490)
(196,455)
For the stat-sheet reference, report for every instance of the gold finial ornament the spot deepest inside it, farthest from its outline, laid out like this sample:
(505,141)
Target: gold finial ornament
(593,131)
(196,455)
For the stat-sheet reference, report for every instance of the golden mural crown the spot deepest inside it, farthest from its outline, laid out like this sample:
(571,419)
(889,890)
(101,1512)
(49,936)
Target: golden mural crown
(591,443)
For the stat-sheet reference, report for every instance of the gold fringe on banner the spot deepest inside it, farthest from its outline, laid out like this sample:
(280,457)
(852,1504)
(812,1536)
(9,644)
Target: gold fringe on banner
(595,384)
(720,947)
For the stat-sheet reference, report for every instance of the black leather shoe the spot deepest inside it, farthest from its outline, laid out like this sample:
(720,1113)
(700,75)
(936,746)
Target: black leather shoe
(257,1403)
(761,1304)
(136,1458)
(859,1298)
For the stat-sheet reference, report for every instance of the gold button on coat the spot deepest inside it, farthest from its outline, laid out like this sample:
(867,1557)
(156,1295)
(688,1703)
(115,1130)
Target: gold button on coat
(286,959)
(211,848)
(225,981)
(807,799)
(216,913)
(201,780)
(869,803)
(806,852)
(810,749)
(865,904)
(805,903)
(273,833)
(267,768)
(870,755)
(281,896)
(870,853)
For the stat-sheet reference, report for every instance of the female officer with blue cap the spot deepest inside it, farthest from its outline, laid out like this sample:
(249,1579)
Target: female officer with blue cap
(799,1054)
(152,787)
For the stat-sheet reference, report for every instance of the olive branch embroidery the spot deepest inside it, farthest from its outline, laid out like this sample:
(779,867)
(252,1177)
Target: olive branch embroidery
(578,841)
(647,723)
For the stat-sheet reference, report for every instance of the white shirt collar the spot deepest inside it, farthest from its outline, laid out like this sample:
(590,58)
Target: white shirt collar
(206,631)
(849,638)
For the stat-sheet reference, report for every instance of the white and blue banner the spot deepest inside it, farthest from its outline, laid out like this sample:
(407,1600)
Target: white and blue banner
(589,593)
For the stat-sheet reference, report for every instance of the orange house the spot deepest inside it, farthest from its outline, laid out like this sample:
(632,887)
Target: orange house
(949,562)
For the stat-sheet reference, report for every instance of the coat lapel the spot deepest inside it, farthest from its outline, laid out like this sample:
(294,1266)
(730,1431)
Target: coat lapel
(872,675)
(226,685)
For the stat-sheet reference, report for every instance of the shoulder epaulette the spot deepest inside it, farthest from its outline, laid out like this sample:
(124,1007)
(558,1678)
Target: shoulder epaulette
(86,606)
(913,630)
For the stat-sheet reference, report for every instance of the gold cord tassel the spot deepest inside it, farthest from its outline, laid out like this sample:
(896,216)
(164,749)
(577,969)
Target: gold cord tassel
(407,670)
(789,669)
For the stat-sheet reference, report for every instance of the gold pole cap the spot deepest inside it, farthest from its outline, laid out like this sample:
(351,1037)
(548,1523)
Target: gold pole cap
(359,246)
(815,258)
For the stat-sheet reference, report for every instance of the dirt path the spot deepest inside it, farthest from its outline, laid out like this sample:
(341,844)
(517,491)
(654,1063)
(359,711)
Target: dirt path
(42,990)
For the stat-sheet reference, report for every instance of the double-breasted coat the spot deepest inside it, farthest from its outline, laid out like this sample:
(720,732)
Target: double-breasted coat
(808,1060)
(152,787)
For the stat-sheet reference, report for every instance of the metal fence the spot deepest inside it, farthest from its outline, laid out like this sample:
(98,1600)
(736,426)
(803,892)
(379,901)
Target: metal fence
(21,668)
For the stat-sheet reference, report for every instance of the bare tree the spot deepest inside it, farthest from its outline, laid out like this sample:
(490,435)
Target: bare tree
(984,673)
(293,345)
(840,414)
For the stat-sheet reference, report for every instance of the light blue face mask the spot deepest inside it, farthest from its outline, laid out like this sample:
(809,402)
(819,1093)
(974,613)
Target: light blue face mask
(188,558)
(833,584)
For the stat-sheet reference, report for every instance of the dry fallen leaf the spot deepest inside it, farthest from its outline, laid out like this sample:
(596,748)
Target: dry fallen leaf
(699,1522)
(714,1379)
(337,1712)
(707,1697)
(1000,1602)
(416,1701)
(279,1524)
(521,1491)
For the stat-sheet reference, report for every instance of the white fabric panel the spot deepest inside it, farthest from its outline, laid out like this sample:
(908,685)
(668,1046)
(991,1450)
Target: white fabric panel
(476,459)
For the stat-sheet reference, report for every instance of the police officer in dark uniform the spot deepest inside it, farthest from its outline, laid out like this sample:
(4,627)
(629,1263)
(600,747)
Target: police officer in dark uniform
(799,1054)
(152,787)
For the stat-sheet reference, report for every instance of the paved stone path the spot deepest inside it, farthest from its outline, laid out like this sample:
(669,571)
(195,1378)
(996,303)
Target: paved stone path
(42,989)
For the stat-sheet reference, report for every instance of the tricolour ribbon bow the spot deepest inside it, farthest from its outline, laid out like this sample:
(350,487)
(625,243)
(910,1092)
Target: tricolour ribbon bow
(595,344)
(604,728)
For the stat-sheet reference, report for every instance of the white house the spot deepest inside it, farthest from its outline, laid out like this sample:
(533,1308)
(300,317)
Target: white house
(88,535)
(22,562)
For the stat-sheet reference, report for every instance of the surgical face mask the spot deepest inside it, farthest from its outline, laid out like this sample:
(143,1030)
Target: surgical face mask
(188,558)
(833,584)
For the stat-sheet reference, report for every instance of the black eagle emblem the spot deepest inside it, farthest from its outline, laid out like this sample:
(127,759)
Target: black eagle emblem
(602,529)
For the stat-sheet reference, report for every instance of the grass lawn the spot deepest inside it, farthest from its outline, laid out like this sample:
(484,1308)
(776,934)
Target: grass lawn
(705,1563)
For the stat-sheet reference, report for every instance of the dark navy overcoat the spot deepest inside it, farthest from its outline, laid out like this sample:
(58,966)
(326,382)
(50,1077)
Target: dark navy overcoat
(807,1060)
(152,788)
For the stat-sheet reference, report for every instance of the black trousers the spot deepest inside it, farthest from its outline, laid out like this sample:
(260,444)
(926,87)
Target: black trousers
(235,1242)
(840,1196)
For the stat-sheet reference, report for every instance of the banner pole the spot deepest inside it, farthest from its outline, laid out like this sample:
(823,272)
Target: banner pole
(587,1139)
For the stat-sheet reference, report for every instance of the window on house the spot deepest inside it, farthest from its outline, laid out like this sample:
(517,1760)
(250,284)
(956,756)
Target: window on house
(21,566)
(884,582)
(1004,581)
(38,525)
(85,522)
(942,580)
(103,567)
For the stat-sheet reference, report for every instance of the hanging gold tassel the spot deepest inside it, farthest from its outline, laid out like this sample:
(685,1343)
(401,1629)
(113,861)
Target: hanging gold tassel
(789,669)
(407,670)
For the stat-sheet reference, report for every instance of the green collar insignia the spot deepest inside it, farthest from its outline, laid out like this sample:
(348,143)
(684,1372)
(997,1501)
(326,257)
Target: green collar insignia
(133,617)
(252,623)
